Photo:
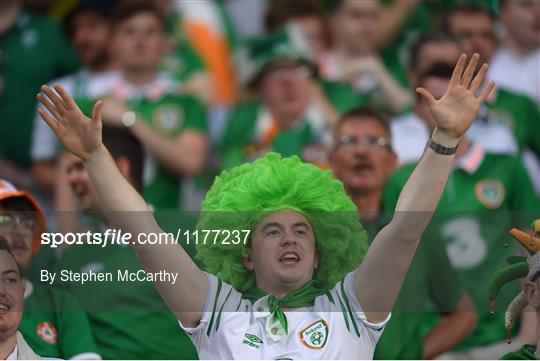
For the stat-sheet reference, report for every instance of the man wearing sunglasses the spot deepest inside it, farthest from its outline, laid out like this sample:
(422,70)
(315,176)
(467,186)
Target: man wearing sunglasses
(54,323)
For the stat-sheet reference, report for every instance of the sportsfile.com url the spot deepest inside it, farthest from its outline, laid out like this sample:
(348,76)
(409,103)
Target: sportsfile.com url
(119,237)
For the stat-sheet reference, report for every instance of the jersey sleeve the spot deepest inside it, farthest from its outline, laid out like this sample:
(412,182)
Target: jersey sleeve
(346,301)
(75,339)
(221,297)
(195,115)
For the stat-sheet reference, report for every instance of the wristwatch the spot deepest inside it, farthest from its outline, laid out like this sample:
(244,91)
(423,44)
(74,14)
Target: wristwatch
(129,119)
(441,149)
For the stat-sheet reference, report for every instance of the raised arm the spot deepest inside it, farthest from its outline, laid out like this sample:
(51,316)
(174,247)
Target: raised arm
(381,274)
(124,206)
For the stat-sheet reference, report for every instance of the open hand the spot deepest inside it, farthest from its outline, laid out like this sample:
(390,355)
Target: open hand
(79,134)
(457,109)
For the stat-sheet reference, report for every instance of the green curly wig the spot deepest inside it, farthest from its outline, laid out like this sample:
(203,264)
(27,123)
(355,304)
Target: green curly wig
(241,197)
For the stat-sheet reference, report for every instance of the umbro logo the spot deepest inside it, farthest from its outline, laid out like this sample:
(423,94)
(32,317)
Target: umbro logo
(252,341)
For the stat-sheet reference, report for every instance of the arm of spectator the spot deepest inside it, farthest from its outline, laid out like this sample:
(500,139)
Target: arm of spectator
(452,328)
(396,96)
(380,276)
(200,85)
(184,155)
(328,111)
(65,201)
(392,19)
(124,207)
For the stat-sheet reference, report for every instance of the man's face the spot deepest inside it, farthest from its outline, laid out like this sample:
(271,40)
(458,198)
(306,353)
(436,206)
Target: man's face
(355,25)
(434,52)
(359,158)
(80,183)
(11,296)
(91,37)
(474,33)
(283,254)
(285,89)
(19,229)
(139,42)
(521,19)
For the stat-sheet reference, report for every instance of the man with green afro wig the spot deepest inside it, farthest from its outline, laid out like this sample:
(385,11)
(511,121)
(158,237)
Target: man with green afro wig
(293,286)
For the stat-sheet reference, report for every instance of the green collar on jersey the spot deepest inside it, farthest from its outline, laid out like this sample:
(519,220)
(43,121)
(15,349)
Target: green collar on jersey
(301,297)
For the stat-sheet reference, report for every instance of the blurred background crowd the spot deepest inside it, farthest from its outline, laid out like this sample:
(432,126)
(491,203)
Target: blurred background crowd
(195,87)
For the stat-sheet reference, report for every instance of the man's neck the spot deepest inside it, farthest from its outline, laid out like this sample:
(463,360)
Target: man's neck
(516,48)
(284,120)
(9,13)
(103,66)
(139,77)
(368,204)
(8,346)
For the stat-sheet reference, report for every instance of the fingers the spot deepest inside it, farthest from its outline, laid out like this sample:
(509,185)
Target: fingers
(55,99)
(50,106)
(479,78)
(68,100)
(47,118)
(458,70)
(486,91)
(97,111)
(426,95)
(469,72)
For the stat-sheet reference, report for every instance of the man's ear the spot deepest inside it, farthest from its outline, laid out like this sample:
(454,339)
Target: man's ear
(530,290)
(316,262)
(248,262)
(124,165)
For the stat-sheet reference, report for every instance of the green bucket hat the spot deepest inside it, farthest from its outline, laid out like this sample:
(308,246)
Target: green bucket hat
(288,45)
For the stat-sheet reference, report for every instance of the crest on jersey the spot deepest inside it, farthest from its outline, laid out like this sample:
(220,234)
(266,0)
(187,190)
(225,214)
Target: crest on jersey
(47,332)
(168,118)
(490,192)
(315,335)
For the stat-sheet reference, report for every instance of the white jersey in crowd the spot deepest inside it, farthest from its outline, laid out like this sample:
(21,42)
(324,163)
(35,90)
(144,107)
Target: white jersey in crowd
(335,327)
(82,84)
(517,73)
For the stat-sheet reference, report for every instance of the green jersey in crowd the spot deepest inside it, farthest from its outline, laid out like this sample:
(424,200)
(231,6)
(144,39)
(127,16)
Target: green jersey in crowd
(128,318)
(521,115)
(55,324)
(486,195)
(34,51)
(251,132)
(527,352)
(168,113)
(431,285)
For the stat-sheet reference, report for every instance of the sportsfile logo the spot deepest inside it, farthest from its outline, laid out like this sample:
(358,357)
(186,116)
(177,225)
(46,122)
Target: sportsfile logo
(252,340)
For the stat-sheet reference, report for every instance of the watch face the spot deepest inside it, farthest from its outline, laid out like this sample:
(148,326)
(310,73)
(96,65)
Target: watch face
(129,118)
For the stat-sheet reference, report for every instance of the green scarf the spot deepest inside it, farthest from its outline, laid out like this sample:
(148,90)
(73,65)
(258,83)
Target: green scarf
(301,297)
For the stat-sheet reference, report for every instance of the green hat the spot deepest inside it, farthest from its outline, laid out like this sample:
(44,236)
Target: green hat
(286,45)
(241,197)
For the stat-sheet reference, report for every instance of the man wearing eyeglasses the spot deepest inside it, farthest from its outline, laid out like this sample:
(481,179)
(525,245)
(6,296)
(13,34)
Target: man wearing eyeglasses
(54,323)
(363,159)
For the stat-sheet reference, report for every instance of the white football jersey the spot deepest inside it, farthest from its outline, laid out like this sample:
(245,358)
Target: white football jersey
(334,328)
